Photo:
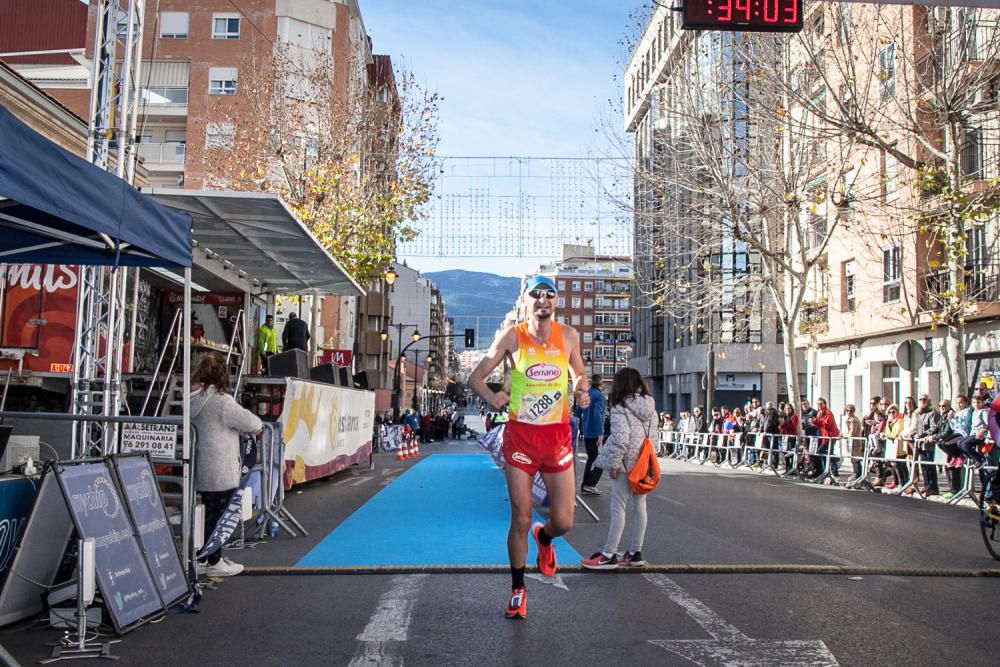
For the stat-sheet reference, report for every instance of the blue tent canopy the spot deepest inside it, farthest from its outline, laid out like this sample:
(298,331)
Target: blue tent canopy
(57,208)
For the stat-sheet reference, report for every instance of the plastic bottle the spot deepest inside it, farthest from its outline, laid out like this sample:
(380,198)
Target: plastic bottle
(272,528)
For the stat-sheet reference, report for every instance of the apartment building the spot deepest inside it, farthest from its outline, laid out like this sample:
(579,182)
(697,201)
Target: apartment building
(672,348)
(886,280)
(593,299)
(193,54)
(416,306)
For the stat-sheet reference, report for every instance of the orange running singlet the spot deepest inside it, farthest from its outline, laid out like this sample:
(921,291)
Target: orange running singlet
(539,380)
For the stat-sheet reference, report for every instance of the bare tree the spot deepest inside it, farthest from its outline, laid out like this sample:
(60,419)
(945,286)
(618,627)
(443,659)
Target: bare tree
(914,94)
(732,198)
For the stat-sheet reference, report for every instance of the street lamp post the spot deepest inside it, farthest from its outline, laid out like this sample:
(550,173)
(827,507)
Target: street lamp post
(384,334)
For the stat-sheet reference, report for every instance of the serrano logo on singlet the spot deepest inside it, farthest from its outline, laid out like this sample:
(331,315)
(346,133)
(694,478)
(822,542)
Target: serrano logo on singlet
(542,372)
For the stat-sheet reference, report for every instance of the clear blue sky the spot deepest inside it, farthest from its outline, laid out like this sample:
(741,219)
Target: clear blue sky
(518,77)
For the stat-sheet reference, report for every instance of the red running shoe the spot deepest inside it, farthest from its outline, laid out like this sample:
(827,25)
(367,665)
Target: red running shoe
(546,554)
(517,607)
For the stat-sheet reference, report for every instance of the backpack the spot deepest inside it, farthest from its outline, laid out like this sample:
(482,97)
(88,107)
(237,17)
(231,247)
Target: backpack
(645,474)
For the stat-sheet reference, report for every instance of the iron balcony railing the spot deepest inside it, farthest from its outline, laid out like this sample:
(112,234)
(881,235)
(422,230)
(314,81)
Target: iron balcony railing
(982,283)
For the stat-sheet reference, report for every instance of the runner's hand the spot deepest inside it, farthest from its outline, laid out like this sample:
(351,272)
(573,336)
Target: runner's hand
(500,400)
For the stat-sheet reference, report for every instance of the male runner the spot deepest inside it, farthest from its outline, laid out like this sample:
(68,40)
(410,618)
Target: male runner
(537,437)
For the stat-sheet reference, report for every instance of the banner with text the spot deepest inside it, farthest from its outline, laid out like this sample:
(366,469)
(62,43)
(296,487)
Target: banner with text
(325,429)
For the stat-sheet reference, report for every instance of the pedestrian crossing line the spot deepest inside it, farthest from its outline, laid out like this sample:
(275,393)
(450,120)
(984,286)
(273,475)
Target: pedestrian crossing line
(666,568)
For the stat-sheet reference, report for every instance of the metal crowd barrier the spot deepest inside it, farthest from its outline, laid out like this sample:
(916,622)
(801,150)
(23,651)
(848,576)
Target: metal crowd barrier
(272,487)
(831,456)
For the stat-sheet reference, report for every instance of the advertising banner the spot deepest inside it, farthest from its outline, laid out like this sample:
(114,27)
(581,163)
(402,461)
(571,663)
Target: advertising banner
(159,440)
(39,313)
(16,497)
(325,429)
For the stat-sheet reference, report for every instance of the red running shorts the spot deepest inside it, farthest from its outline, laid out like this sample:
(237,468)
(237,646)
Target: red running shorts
(545,448)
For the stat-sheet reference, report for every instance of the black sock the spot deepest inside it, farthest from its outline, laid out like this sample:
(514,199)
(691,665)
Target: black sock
(517,577)
(543,537)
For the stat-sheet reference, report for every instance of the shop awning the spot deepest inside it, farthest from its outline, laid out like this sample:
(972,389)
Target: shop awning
(256,233)
(57,208)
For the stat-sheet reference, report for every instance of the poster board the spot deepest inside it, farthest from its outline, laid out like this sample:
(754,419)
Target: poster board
(160,440)
(145,507)
(98,511)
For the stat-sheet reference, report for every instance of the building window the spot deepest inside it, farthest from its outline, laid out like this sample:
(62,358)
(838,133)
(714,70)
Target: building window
(588,303)
(588,286)
(588,355)
(225,26)
(847,280)
(887,72)
(588,320)
(574,320)
(222,81)
(576,302)
(219,135)
(562,285)
(891,274)
(174,25)
(561,302)
(890,382)
(890,177)
(576,285)
(588,337)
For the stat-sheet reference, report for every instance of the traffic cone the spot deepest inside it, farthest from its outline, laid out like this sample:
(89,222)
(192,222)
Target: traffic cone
(401,451)
(415,452)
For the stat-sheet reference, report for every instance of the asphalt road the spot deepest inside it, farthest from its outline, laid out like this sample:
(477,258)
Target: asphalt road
(699,517)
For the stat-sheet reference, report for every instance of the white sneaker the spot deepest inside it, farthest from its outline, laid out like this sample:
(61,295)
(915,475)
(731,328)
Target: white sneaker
(224,568)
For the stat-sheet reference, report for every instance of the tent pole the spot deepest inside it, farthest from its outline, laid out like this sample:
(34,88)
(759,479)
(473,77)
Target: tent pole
(314,343)
(187,455)
(134,319)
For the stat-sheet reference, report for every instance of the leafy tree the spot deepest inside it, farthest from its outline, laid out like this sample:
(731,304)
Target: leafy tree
(349,148)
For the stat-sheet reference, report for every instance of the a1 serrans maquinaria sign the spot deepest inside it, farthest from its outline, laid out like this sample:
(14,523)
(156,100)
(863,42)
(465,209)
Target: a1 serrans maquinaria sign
(742,15)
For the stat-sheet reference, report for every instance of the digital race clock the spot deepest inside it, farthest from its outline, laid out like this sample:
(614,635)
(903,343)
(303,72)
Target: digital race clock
(743,15)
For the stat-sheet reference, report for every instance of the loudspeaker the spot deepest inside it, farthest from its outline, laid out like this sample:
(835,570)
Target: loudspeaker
(344,376)
(361,380)
(324,373)
(291,364)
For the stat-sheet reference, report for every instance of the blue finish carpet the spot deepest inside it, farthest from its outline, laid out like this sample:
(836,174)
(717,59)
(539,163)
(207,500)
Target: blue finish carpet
(449,509)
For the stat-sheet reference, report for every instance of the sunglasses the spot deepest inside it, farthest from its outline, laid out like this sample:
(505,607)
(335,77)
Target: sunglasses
(542,294)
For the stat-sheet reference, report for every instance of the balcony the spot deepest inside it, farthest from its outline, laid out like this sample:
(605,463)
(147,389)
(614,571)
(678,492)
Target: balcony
(162,157)
(982,283)
(813,317)
(164,102)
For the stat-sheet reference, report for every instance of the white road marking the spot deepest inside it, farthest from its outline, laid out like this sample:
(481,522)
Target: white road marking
(389,625)
(559,580)
(729,646)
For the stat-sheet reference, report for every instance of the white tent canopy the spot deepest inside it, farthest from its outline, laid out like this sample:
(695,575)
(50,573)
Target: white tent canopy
(256,235)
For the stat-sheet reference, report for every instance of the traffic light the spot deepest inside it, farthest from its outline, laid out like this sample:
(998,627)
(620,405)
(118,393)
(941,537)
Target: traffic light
(470,338)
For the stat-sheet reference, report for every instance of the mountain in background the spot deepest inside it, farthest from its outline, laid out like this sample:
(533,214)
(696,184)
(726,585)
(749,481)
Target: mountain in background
(476,300)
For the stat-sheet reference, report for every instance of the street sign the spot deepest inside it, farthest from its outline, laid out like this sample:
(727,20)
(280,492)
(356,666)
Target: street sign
(910,355)
(742,15)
